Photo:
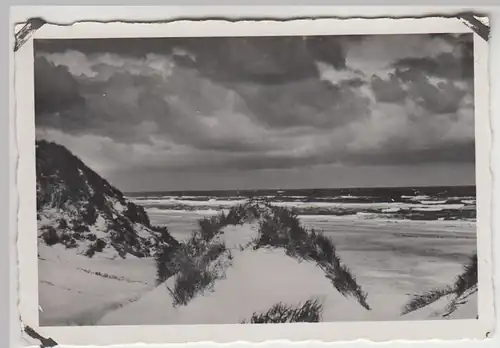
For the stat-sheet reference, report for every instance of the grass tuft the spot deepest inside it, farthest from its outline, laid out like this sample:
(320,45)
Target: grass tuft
(423,300)
(466,281)
(196,262)
(468,278)
(309,312)
(281,228)
(197,272)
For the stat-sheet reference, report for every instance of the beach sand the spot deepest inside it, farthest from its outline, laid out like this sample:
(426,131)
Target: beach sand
(394,260)
(390,260)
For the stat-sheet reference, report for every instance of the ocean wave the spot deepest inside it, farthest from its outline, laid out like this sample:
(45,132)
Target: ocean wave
(427,209)
(302,199)
(395,212)
(434,202)
(387,204)
(381,205)
(147,199)
(172,203)
(204,212)
(416,198)
(392,216)
(391,210)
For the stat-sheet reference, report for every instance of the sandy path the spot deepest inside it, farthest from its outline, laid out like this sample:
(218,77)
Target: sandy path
(71,291)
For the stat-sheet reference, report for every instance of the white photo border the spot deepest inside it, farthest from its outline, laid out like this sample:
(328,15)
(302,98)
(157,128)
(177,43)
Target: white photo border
(326,332)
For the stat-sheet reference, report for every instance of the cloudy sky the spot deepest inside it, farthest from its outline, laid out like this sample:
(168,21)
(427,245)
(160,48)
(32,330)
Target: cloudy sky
(268,112)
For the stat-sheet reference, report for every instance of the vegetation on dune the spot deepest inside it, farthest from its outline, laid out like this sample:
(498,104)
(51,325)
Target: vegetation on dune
(308,312)
(200,261)
(50,236)
(194,262)
(199,245)
(197,274)
(71,198)
(425,299)
(466,281)
(468,278)
(63,178)
(95,247)
(173,259)
(281,228)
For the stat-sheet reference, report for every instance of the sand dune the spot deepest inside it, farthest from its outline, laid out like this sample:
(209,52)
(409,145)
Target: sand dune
(390,263)
(256,281)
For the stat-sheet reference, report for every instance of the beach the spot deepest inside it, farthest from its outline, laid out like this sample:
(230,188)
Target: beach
(391,261)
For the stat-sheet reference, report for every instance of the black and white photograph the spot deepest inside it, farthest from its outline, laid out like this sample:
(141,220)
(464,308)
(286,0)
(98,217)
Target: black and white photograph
(247,180)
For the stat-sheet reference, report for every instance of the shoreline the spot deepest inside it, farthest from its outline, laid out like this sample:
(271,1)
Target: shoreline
(360,217)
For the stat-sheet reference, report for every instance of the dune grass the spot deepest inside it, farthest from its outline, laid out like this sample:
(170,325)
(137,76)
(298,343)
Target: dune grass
(468,278)
(195,262)
(281,228)
(196,274)
(466,281)
(308,312)
(172,258)
(198,262)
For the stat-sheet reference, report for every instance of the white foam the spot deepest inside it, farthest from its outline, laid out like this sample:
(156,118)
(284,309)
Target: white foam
(174,202)
(420,197)
(428,209)
(380,205)
(391,210)
(433,202)
(203,212)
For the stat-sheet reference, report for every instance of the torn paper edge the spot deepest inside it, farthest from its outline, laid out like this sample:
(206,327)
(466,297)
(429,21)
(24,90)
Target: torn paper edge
(475,21)
(372,331)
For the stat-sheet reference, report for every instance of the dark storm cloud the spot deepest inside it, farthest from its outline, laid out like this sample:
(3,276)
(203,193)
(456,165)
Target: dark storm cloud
(77,106)
(444,152)
(276,79)
(354,82)
(456,65)
(446,65)
(450,153)
(267,60)
(131,47)
(312,103)
(391,154)
(263,60)
(247,103)
(411,78)
(56,89)
(132,108)
(390,90)
(441,98)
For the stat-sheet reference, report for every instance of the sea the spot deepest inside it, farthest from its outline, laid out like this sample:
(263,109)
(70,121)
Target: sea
(181,210)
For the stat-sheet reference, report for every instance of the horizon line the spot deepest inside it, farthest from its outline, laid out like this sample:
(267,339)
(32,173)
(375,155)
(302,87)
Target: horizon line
(289,189)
